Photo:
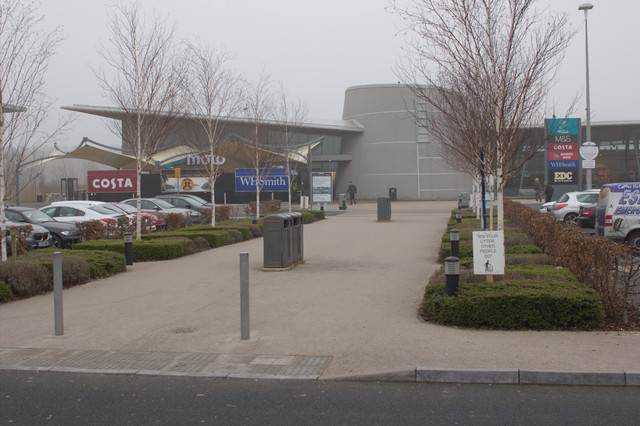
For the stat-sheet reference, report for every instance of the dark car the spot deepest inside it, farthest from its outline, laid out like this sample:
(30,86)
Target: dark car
(587,218)
(63,234)
(186,201)
(39,237)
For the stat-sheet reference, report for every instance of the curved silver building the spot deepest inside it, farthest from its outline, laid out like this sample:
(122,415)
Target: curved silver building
(392,151)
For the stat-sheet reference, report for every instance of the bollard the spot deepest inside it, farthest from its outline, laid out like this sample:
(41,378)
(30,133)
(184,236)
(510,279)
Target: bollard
(458,216)
(454,236)
(452,273)
(128,248)
(244,296)
(57,294)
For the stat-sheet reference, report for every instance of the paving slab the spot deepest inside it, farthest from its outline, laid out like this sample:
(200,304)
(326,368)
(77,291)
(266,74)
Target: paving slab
(354,301)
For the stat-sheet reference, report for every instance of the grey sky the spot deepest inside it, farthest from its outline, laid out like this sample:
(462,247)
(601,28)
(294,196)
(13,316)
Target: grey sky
(318,48)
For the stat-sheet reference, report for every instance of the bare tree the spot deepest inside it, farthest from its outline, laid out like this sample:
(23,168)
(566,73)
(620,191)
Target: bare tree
(214,94)
(25,51)
(258,112)
(144,81)
(490,65)
(290,117)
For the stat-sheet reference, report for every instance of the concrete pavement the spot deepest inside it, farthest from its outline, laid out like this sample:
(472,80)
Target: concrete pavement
(350,310)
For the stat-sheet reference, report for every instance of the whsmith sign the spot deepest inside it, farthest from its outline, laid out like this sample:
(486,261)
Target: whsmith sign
(271,180)
(563,149)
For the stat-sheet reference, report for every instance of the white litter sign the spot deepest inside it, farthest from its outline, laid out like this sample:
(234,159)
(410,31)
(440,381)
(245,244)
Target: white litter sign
(488,252)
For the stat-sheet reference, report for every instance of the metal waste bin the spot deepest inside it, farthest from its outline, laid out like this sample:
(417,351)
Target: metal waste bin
(463,200)
(384,209)
(342,201)
(393,194)
(277,241)
(297,238)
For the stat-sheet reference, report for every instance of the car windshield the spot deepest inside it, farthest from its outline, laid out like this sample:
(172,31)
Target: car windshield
(36,216)
(127,208)
(162,203)
(101,208)
(113,209)
(197,199)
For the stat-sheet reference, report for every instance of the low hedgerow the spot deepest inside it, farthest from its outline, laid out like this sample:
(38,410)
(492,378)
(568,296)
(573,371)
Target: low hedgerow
(144,250)
(465,248)
(244,230)
(26,278)
(255,229)
(234,236)
(75,270)
(214,238)
(515,304)
(101,263)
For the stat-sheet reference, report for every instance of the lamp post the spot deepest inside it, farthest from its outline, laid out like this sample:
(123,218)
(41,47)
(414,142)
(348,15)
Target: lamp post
(586,7)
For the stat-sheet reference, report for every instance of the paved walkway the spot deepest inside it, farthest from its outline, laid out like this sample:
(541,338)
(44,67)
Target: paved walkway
(350,309)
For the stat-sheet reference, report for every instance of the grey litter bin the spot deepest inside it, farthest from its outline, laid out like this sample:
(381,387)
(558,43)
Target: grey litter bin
(393,194)
(463,200)
(277,241)
(342,201)
(384,209)
(297,238)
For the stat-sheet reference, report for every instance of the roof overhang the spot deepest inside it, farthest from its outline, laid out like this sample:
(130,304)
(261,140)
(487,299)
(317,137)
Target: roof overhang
(340,126)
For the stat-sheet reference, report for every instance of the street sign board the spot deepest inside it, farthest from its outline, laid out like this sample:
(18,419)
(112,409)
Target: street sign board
(488,252)
(589,151)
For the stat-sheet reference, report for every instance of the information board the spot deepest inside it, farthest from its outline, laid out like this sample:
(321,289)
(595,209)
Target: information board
(488,252)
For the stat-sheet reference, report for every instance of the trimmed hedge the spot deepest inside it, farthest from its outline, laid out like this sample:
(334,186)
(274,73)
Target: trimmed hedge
(25,278)
(143,250)
(101,264)
(246,233)
(214,238)
(515,304)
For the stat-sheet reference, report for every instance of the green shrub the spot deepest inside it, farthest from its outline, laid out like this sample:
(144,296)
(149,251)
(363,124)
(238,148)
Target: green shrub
(75,270)
(145,249)
(5,292)
(234,236)
(101,263)
(214,238)
(255,229)
(199,244)
(538,259)
(526,249)
(465,248)
(515,304)
(25,277)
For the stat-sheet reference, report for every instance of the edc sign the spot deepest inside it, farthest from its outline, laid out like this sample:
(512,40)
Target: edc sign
(112,180)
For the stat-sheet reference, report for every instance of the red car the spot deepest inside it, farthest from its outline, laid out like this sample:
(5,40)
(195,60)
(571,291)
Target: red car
(158,222)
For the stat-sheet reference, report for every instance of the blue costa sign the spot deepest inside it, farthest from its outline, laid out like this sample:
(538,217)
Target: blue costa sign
(271,180)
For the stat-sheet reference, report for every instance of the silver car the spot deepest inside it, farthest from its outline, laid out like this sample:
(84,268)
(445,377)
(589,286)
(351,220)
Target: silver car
(567,208)
(160,207)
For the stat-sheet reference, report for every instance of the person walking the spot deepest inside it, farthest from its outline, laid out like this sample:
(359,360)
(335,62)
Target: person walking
(352,190)
(537,186)
(548,191)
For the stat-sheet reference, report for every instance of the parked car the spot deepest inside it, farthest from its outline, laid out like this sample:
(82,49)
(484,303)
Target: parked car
(161,207)
(546,207)
(567,207)
(63,235)
(158,222)
(70,211)
(39,237)
(186,201)
(618,212)
(587,218)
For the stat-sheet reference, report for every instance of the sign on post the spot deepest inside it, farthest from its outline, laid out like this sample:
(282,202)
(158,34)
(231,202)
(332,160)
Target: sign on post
(488,252)
(322,188)
(270,180)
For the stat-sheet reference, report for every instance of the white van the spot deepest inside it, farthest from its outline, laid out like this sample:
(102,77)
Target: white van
(618,212)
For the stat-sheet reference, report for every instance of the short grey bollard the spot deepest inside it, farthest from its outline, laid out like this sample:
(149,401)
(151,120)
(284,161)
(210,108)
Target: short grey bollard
(128,248)
(244,296)
(452,274)
(57,294)
(454,236)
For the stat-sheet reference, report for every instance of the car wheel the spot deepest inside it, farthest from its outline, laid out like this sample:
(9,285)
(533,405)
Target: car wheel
(571,218)
(634,240)
(56,242)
